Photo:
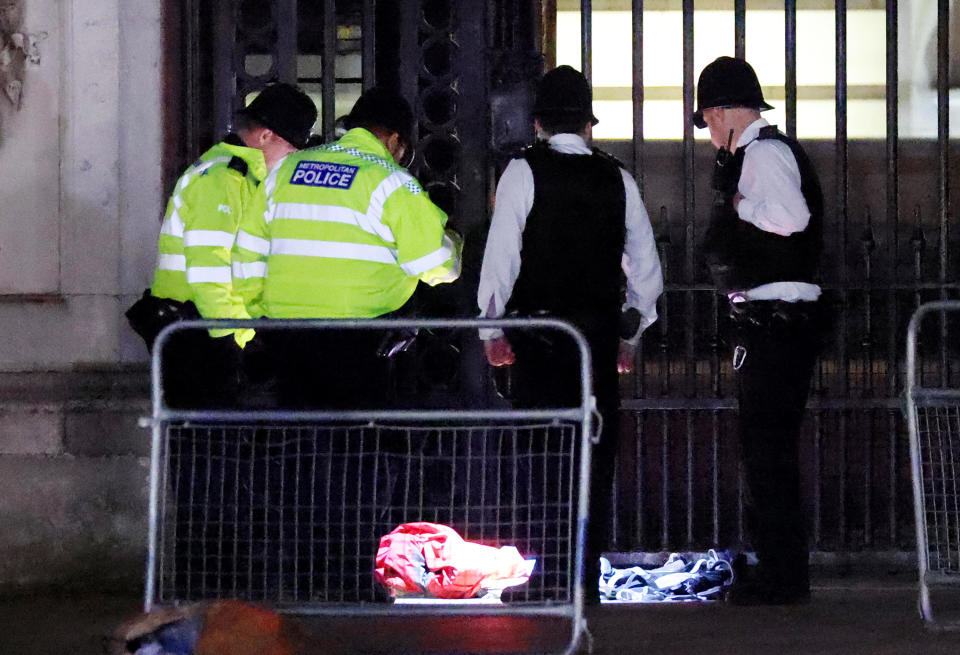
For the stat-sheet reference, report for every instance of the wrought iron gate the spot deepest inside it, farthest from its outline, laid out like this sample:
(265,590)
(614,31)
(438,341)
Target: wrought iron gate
(469,65)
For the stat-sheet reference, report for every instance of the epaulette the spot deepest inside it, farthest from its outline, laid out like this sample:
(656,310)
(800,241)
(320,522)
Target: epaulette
(768,132)
(537,146)
(238,164)
(608,157)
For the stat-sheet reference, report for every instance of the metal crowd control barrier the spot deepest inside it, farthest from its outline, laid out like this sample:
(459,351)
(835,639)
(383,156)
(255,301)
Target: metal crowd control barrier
(287,508)
(933,417)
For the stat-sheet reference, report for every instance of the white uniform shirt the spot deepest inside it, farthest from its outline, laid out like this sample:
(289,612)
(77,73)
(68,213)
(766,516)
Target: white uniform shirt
(501,259)
(772,201)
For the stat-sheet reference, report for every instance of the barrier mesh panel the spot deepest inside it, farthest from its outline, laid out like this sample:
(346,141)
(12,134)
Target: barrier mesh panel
(939,439)
(293,513)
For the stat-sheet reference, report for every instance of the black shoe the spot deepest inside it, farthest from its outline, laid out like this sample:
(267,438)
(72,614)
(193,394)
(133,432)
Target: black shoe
(765,593)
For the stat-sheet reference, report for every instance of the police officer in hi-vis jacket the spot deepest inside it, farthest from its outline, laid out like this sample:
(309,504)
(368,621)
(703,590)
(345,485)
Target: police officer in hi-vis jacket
(193,276)
(347,233)
(763,249)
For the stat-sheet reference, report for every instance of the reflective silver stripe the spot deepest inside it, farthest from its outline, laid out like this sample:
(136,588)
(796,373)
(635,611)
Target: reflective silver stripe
(189,175)
(379,196)
(333,214)
(213,238)
(172,262)
(269,212)
(173,225)
(334,249)
(449,276)
(425,263)
(305,211)
(254,244)
(220,274)
(249,270)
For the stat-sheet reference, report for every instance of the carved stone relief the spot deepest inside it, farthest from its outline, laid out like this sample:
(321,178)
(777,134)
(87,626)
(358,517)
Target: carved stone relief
(17,48)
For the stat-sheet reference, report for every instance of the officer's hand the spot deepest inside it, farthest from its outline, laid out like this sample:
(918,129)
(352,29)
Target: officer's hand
(499,352)
(625,357)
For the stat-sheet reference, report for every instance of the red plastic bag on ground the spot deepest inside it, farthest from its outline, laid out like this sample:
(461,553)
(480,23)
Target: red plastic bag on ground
(432,559)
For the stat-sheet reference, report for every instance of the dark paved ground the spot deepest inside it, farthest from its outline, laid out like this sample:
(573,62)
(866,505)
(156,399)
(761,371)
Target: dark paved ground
(873,617)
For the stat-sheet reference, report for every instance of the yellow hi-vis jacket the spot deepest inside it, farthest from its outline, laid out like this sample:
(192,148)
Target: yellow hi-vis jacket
(345,233)
(199,228)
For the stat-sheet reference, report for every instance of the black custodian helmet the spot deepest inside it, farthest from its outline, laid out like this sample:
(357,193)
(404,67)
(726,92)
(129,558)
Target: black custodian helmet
(564,93)
(727,82)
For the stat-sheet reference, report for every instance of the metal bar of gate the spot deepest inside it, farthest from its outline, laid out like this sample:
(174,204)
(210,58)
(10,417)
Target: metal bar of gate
(790,65)
(410,55)
(841,172)
(689,212)
(368,36)
(225,26)
(191,20)
(586,42)
(638,141)
(329,71)
(639,176)
(893,251)
(286,52)
(943,163)
(740,29)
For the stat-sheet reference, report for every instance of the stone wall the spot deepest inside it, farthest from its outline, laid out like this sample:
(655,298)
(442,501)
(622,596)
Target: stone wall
(80,203)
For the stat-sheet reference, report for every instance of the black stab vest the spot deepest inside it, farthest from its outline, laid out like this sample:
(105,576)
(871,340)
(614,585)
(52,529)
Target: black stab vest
(573,240)
(742,256)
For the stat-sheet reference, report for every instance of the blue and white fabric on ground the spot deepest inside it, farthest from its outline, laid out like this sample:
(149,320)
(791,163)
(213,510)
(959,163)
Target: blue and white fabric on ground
(678,579)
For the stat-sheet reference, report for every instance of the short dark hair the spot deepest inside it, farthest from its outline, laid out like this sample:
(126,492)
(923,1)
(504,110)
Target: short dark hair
(245,122)
(563,124)
(381,107)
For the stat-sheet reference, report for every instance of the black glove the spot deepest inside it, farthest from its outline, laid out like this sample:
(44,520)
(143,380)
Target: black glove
(629,322)
(396,341)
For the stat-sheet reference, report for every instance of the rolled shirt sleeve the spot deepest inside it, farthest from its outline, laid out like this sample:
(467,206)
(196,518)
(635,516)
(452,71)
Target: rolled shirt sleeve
(641,262)
(770,186)
(501,257)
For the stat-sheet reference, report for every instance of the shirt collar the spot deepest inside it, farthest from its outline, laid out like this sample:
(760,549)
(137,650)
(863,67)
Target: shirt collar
(752,132)
(364,141)
(571,144)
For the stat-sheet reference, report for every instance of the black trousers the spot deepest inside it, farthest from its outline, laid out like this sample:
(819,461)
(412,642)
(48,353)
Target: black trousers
(328,369)
(547,375)
(199,371)
(774,382)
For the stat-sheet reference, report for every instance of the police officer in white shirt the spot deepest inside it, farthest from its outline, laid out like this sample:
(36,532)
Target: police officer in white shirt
(763,249)
(568,223)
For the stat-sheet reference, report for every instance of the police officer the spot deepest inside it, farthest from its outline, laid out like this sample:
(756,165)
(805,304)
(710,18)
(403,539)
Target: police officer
(347,233)
(567,224)
(197,234)
(763,249)
(193,279)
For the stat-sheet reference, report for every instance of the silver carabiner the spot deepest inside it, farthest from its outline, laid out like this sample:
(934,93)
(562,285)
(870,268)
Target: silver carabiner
(739,355)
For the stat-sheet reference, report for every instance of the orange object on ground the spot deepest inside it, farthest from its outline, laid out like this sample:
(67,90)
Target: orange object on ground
(235,628)
(431,558)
